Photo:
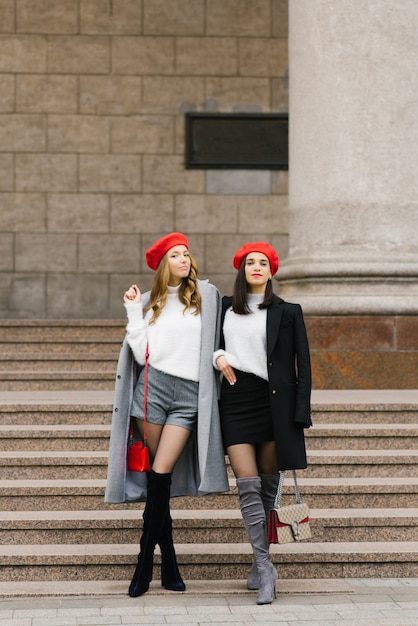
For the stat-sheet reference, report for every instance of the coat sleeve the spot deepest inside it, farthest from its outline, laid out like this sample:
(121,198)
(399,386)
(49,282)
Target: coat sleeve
(304,376)
(212,468)
(121,485)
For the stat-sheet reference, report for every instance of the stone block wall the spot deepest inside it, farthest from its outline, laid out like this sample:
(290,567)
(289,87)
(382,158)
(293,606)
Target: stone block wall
(363,351)
(92,101)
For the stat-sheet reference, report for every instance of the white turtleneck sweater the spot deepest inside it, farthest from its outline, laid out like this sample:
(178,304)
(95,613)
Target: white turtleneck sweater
(173,341)
(246,339)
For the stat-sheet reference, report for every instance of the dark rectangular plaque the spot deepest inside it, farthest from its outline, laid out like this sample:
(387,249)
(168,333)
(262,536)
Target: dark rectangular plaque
(237,140)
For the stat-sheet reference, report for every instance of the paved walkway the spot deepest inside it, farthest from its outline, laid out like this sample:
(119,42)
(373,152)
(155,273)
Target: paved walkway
(350,602)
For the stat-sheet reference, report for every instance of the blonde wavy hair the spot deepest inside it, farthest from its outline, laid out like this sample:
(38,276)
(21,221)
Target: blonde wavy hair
(189,293)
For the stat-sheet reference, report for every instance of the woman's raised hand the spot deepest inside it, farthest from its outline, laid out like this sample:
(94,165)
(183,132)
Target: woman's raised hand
(133,295)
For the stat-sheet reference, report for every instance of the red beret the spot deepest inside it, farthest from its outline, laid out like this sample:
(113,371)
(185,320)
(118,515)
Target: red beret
(258,246)
(154,255)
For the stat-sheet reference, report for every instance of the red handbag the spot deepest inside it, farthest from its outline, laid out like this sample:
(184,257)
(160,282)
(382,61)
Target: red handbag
(138,453)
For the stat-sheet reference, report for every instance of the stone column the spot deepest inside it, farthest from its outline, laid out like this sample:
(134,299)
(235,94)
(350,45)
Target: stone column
(353,157)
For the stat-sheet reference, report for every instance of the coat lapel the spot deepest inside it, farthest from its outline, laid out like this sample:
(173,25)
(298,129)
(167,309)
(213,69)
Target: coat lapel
(274,316)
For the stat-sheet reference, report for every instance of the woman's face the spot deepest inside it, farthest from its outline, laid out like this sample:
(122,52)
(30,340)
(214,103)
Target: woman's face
(179,264)
(257,272)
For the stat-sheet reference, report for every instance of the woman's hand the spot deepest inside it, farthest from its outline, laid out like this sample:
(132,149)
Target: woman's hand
(227,371)
(133,295)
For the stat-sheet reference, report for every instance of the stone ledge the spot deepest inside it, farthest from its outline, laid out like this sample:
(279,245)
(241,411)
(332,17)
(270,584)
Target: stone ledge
(53,588)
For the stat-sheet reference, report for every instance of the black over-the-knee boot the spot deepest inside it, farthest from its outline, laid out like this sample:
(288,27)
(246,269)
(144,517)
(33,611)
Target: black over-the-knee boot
(154,517)
(170,576)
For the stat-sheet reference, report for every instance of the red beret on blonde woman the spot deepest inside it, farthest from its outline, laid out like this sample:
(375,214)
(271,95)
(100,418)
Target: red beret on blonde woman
(154,255)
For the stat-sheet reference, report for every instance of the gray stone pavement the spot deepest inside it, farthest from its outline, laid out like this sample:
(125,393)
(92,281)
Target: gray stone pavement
(320,602)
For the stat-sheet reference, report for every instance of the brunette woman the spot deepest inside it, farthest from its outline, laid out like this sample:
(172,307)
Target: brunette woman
(265,396)
(179,322)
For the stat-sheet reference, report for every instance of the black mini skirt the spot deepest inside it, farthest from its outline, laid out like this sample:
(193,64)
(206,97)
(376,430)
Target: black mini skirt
(245,410)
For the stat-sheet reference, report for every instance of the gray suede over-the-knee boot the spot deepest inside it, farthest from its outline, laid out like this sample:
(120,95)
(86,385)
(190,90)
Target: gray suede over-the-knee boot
(254,516)
(269,484)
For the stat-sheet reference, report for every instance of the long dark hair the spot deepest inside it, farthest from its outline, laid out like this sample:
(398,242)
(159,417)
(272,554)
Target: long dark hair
(240,293)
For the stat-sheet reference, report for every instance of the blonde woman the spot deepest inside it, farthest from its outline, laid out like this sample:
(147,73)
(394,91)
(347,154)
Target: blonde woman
(178,320)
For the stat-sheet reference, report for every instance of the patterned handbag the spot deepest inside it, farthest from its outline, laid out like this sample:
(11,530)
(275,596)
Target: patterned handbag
(287,524)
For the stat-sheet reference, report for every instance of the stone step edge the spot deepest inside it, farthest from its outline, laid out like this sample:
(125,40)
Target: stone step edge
(342,429)
(59,356)
(197,552)
(64,400)
(129,518)
(322,400)
(318,457)
(52,431)
(347,485)
(51,375)
(54,588)
(41,323)
(336,430)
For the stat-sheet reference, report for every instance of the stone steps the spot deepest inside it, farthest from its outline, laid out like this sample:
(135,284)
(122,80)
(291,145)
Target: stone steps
(388,407)
(361,483)
(34,591)
(88,494)
(362,436)
(323,437)
(60,362)
(221,561)
(198,526)
(21,381)
(68,354)
(63,437)
(85,464)
(45,332)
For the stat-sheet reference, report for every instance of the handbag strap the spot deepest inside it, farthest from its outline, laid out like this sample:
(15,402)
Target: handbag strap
(278,499)
(145,393)
(131,425)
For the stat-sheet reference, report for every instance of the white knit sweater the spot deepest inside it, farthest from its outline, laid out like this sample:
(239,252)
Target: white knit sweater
(173,341)
(246,339)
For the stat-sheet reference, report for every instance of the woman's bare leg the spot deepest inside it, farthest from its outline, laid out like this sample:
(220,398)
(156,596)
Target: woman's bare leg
(166,443)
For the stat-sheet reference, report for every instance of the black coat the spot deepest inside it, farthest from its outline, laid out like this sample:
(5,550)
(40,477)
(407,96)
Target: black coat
(289,371)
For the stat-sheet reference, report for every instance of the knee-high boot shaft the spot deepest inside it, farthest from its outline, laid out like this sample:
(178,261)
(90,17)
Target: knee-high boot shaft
(254,516)
(156,510)
(170,575)
(269,484)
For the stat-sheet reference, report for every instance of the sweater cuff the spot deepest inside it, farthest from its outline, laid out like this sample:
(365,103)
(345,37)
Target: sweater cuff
(133,311)
(216,355)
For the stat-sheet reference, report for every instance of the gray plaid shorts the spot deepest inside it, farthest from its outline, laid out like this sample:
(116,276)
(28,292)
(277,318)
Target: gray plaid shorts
(170,400)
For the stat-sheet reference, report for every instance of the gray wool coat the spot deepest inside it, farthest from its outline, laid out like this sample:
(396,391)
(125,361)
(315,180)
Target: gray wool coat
(201,468)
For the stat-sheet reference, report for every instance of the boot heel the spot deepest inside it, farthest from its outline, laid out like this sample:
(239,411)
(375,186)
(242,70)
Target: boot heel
(268,580)
(173,586)
(170,575)
(141,578)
